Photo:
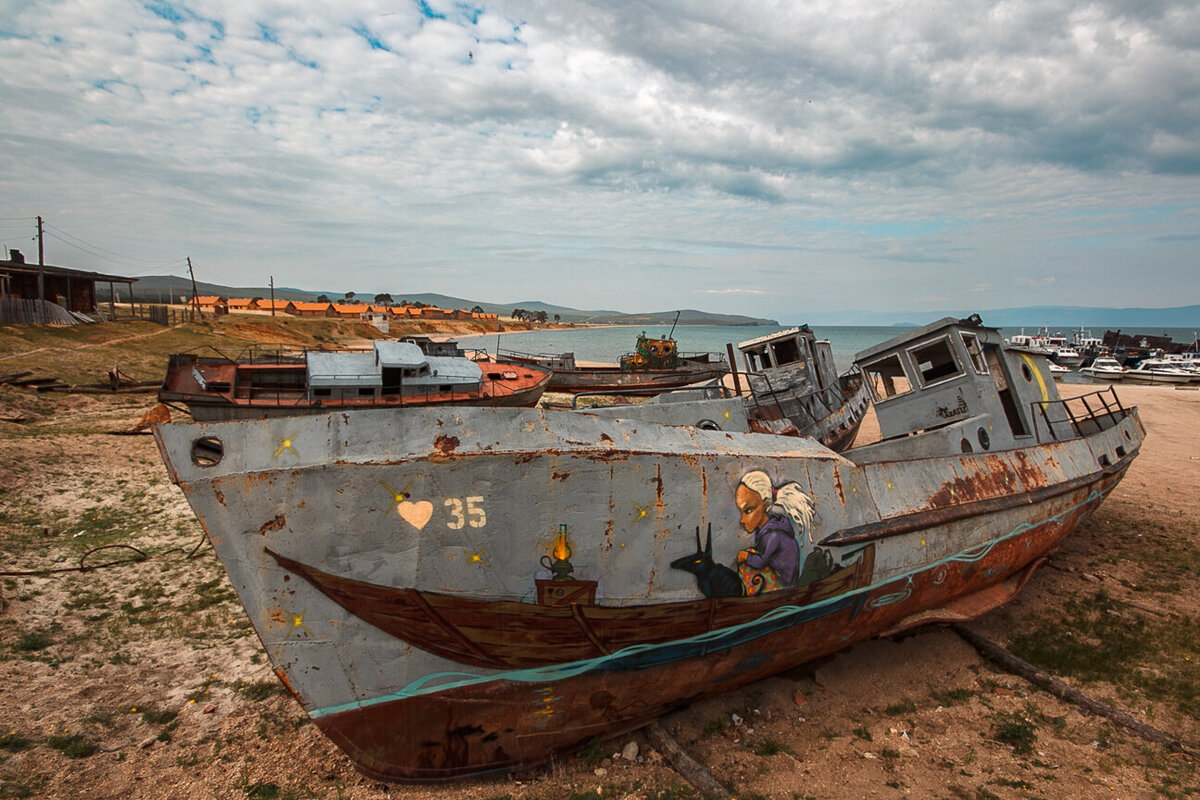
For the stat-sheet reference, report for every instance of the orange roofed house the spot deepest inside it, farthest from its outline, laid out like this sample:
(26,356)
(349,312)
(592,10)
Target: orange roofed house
(312,309)
(349,310)
(278,306)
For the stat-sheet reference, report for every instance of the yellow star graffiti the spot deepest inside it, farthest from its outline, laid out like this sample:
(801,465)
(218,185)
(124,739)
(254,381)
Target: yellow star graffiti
(477,558)
(400,496)
(287,445)
(643,511)
(298,622)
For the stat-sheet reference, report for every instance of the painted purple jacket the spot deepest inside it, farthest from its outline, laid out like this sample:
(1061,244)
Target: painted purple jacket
(776,548)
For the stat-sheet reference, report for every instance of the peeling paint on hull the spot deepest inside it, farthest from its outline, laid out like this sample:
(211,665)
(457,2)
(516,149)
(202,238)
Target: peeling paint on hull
(381,499)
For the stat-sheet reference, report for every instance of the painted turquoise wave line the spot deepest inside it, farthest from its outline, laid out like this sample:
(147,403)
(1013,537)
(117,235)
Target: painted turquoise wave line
(556,672)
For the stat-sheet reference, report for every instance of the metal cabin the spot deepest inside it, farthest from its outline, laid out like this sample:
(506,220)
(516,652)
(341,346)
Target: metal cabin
(393,368)
(958,385)
(793,359)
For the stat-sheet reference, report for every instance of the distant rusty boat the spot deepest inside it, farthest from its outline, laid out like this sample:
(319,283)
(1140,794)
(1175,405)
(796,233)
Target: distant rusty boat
(655,365)
(392,374)
(455,591)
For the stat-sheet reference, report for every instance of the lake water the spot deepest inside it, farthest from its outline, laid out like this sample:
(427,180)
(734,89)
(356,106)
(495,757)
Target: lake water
(610,343)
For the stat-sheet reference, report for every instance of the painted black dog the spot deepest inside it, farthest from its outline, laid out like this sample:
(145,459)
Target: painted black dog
(715,580)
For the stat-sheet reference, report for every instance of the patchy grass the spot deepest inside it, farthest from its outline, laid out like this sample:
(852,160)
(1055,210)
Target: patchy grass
(769,746)
(33,642)
(1100,639)
(952,697)
(13,742)
(261,690)
(1017,729)
(159,717)
(73,745)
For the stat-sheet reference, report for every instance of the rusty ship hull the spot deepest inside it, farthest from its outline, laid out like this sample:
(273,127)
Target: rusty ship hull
(477,503)
(647,380)
(220,388)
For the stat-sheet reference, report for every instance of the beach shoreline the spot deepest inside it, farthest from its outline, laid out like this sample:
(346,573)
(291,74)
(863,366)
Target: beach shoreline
(154,663)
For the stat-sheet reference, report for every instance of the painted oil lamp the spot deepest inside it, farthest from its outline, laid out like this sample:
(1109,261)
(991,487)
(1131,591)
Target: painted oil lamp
(561,566)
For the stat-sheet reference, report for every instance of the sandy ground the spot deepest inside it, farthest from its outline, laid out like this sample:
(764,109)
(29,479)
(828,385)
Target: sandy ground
(144,680)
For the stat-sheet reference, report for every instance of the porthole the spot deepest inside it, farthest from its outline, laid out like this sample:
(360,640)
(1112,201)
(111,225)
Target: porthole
(965,444)
(1026,373)
(708,425)
(985,441)
(207,451)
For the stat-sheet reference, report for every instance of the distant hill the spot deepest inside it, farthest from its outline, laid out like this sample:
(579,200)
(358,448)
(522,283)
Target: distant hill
(158,288)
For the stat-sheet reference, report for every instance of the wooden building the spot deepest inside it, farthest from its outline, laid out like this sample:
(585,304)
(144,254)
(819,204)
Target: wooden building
(73,289)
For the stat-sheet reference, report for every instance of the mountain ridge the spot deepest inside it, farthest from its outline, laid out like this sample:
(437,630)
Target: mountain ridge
(158,288)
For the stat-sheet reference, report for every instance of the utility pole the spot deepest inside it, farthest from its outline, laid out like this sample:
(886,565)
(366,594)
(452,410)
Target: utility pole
(41,274)
(195,297)
(272,295)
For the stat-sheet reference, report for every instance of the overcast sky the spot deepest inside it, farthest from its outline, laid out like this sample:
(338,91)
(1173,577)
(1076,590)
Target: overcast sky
(763,158)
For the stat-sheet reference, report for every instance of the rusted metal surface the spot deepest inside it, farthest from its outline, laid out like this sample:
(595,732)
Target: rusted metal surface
(217,387)
(655,365)
(455,591)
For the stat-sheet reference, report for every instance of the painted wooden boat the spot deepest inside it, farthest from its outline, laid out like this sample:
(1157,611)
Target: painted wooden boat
(456,591)
(393,374)
(505,634)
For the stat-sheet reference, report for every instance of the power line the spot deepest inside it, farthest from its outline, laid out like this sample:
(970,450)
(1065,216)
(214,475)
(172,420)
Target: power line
(116,256)
(113,258)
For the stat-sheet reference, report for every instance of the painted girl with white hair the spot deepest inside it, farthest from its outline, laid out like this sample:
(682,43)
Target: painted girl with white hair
(781,519)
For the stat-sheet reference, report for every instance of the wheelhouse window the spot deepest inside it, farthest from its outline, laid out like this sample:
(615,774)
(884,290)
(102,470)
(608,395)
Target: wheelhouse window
(935,361)
(975,351)
(887,378)
(787,352)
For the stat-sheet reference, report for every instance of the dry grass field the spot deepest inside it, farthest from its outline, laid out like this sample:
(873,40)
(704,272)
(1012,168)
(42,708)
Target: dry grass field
(143,679)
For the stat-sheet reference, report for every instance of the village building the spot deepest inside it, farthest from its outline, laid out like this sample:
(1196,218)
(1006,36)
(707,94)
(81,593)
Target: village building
(23,284)
(213,303)
(302,309)
(278,306)
(349,311)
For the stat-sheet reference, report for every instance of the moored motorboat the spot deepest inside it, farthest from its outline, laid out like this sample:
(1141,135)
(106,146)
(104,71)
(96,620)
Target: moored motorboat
(1105,369)
(453,591)
(1067,356)
(1157,370)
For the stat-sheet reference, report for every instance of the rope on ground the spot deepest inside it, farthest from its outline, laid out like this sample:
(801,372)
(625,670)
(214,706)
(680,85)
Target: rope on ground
(141,556)
(692,770)
(1029,672)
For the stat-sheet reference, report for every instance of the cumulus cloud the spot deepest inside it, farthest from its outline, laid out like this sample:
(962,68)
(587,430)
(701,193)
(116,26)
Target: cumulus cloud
(564,150)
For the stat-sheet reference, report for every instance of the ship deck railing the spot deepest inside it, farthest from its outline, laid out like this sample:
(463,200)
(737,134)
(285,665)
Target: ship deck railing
(1086,414)
(299,397)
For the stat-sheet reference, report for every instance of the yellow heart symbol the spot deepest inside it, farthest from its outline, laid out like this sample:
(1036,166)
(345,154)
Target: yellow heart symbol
(416,514)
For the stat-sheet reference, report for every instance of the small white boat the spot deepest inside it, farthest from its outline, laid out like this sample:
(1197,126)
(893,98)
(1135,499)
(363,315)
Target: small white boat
(1157,370)
(1057,370)
(1106,369)
(1067,356)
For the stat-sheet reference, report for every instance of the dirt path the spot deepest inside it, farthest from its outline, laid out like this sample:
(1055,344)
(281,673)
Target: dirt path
(89,345)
